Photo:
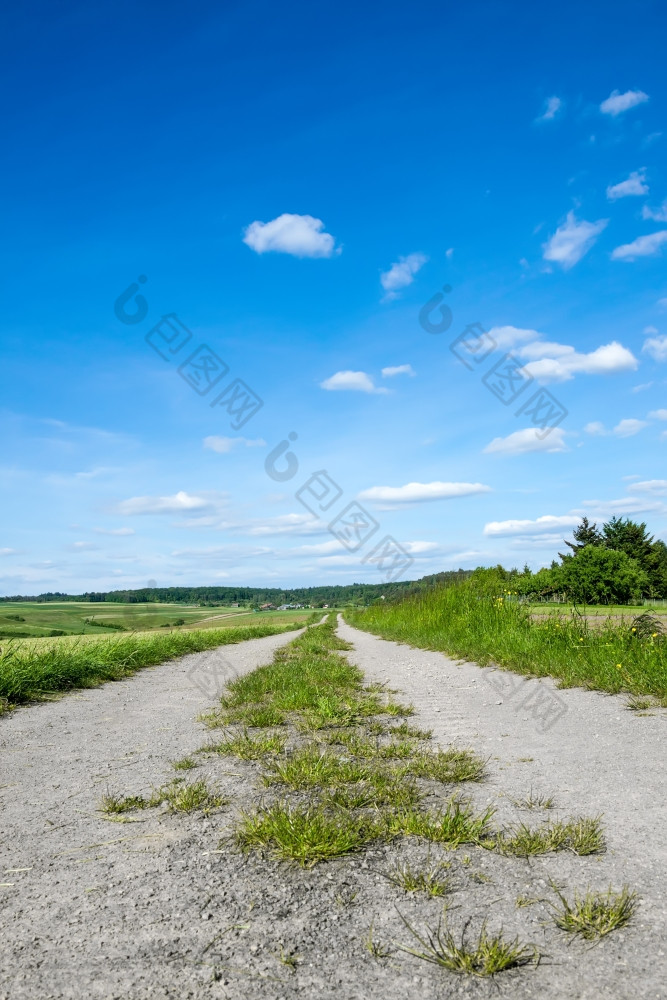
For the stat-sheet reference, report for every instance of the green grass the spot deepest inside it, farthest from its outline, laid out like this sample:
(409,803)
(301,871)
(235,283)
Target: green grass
(582,836)
(38,619)
(177,795)
(486,956)
(595,913)
(30,670)
(431,881)
(466,622)
(247,747)
(304,834)
(453,825)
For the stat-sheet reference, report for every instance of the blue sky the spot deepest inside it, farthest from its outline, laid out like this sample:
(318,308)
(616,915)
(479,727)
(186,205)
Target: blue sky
(295,185)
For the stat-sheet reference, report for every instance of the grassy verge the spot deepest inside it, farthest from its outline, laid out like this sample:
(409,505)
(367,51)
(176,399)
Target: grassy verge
(30,671)
(490,629)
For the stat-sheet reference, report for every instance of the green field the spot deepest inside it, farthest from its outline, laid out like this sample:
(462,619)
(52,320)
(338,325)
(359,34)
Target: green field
(25,619)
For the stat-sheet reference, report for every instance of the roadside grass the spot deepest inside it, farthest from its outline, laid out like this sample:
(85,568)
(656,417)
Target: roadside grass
(304,834)
(178,796)
(29,671)
(454,824)
(432,881)
(247,747)
(595,913)
(467,622)
(582,836)
(184,764)
(535,800)
(486,956)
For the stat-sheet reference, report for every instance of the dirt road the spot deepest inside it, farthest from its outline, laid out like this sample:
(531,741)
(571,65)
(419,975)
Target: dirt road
(156,907)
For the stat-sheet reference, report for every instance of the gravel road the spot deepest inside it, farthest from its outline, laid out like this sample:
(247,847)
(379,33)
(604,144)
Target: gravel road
(156,907)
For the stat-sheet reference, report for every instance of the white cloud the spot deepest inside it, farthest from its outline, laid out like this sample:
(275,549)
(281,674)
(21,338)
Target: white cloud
(572,240)
(643,246)
(81,547)
(541,525)
(223,445)
(551,109)
(634,185)
(605,360)
(595,427)
(298,235)
(617,103)
(449,253)
(650,329)
(352,381)
(657,214)
(402,273)
(114,531)
(656,347)
(507,337)
(420,492)
(176,504)
(527,440)
(398,370)
(629,427)
(657,487)
(658,415)
(8,552)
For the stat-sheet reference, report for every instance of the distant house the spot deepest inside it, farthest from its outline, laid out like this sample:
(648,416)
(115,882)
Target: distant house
(234,604)
(267,607)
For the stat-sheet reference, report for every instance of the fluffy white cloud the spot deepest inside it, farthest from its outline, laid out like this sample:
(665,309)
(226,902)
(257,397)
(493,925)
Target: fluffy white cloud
(658,415)
(298,235)
(562,362)
(527,440)
(401,274)
(352,381)
(657,487)
(572,240)
(596,427)
(643,246)
(176,504)
(629,427)
(507,337)
(657,214)
(391,496)
(617,102)
(540,526)
(551,109)
(656,347)
(223,445)
(634,185)
(398,370)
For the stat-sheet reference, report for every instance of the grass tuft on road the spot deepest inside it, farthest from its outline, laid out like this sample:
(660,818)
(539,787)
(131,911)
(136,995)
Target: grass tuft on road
(595,913)
(488,955)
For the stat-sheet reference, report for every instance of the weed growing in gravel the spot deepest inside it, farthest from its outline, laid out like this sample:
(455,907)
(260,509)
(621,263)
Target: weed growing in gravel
(303,834)
(595,914)
(535,801)
(454,825)
(309,766)
(448,766)
(405,729)
(185,764)
(181,797)
(375,948)
(430,881)
(116,804)
(249,747)
(252,716)
(581,836)
(381,788)
(486,956)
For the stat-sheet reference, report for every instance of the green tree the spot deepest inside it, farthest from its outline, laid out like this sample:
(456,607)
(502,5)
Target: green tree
(584,534)
(630,537)
(598,575)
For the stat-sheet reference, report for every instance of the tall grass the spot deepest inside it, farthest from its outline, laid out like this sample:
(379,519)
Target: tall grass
(468,621)
(32,670)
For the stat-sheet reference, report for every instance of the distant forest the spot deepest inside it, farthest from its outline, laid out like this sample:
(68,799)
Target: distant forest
(353,593)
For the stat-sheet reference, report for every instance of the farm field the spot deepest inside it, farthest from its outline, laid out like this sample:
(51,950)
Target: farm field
(40,620)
